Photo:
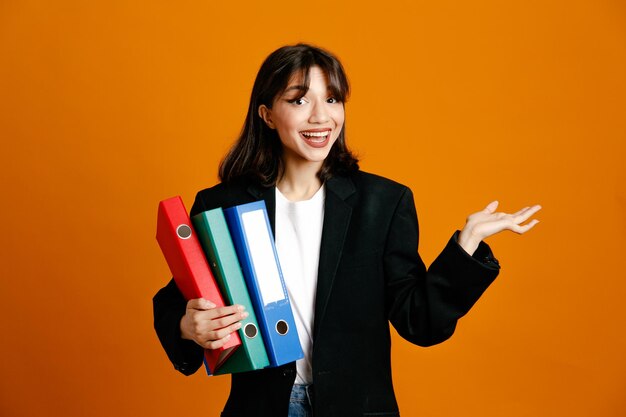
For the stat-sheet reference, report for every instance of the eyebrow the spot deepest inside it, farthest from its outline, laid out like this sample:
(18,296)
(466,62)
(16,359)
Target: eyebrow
(295,87)
(301,88)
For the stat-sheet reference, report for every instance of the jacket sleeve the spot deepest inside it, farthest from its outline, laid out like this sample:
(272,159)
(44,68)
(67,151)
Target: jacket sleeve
(424,305)
(169,307)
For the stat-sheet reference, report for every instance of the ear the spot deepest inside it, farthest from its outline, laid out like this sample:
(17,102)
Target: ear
(266,115)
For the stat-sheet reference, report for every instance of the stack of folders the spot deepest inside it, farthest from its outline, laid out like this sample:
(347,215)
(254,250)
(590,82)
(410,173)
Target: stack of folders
(239,247)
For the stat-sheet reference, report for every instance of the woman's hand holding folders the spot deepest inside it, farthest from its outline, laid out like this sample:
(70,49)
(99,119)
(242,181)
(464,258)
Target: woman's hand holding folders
(210,326)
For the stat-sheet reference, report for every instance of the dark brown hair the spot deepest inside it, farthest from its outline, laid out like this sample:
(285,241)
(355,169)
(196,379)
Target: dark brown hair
(257,153)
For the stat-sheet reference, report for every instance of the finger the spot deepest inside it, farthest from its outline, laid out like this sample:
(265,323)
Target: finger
(204,321)
(517,213)
(521,218)
(221,333)
(224,321)
(200,304)
(221,337)
(225,311)
(216,344)
(525,228)
(491,207)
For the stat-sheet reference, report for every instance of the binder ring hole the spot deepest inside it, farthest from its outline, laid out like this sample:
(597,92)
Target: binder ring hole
(250,330)
(282,327)
(183,231)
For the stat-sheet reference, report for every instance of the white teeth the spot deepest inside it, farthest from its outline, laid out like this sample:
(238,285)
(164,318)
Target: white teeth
(315,134)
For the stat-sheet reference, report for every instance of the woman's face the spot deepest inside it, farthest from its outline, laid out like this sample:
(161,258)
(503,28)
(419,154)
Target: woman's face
(308,126)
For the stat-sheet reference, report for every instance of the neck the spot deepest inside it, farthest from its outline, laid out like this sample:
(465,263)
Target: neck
(299,183)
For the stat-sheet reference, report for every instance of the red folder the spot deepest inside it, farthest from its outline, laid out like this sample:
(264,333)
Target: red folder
(190,269)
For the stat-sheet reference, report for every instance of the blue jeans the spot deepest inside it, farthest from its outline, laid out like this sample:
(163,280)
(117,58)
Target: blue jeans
(300,401)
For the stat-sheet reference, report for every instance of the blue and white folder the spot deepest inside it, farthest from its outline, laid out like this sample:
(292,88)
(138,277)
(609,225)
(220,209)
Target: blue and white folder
(252,235)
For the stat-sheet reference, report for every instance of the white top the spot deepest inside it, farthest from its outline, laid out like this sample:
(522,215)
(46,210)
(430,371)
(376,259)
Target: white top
(298,238)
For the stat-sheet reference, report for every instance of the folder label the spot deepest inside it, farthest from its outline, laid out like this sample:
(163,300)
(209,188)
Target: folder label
(262,252)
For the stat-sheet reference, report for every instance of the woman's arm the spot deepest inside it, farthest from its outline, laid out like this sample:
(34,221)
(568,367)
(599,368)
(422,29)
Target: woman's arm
(169,307)
(424,305)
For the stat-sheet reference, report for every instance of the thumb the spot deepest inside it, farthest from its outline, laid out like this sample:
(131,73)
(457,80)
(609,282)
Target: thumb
(491,207)
(200,304)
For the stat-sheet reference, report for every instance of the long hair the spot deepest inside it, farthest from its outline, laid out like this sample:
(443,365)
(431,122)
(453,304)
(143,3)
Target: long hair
(257,153)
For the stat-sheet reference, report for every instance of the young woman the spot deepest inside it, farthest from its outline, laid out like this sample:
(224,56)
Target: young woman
(347,241)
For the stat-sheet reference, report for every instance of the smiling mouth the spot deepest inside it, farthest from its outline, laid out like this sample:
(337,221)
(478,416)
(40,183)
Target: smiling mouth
(316,138)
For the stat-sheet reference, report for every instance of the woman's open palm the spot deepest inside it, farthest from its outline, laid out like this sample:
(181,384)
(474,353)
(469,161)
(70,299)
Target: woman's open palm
(488,222)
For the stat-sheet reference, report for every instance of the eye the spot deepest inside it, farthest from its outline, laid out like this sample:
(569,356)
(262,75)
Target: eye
(332,100)
(297,101)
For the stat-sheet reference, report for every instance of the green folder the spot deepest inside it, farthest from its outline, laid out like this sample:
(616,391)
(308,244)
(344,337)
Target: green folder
(215,239)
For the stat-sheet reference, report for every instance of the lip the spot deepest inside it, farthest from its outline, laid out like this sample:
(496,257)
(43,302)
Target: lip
(319,129)
(315,142)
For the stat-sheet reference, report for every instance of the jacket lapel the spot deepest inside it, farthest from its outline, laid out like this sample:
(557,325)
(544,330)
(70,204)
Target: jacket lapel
(337,213)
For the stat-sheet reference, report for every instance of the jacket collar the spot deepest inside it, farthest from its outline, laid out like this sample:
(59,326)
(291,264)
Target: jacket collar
(341,187)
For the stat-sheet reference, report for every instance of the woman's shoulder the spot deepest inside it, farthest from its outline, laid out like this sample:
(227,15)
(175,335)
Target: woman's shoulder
(222,195)
(215,189)
(365,189)
(368,181)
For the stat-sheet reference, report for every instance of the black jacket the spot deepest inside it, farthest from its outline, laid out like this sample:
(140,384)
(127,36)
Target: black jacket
(370,274)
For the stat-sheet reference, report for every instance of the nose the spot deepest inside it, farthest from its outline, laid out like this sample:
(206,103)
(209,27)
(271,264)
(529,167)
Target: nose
(319,112)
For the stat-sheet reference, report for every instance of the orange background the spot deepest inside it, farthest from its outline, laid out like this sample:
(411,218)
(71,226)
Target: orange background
(108,107)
